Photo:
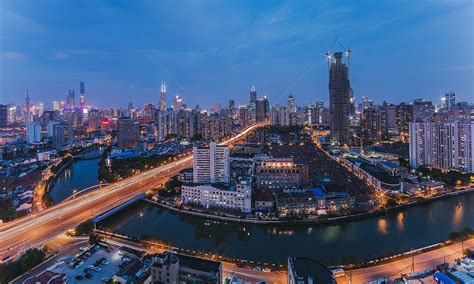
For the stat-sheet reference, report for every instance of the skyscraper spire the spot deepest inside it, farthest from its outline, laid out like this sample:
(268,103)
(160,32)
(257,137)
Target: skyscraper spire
(163,97)
(253,94)
(82,95)
(27,107)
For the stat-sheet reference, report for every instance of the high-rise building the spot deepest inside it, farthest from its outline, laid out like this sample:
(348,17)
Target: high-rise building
(162,106)
(302,270)
(253,94)
(403,116)
(127,132)
(33,130)
(262,109)
(82,95)
(70,101)
(291,104)
(62,134)
(339,99)
(371,125)
(28,115)
(444,145)
(422,110)
(211,164)
(3,115)
(178,103)
(232,108)
(450,99)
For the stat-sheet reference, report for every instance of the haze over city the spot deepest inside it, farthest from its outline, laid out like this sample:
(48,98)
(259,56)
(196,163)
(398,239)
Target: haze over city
(209,51)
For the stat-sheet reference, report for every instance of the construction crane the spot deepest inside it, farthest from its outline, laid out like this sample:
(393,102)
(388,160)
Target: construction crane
(328,53)
(348,53)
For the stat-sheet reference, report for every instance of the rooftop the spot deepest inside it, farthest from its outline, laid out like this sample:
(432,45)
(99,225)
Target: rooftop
(307,270)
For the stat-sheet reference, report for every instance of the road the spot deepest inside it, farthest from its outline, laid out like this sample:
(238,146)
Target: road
(34,230)
(422,261)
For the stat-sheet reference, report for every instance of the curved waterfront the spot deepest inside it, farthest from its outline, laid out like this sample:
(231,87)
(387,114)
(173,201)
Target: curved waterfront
(79,174)
(351,241)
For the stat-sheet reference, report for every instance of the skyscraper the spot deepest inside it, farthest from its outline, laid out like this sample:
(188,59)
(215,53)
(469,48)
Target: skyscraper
(162,106)
(291,104)
(127,132)
(3,115)
(33,130)
(253,94)
(339,99)
(82,97)
(450,99)
(28,117)
(70,100)
(178,103)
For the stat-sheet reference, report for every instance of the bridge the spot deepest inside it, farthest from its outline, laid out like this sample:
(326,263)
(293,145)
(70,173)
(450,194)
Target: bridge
(86,190)
(36,229)
(114,208)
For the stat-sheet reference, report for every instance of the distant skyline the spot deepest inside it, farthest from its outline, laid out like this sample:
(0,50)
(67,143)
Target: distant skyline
(211,51)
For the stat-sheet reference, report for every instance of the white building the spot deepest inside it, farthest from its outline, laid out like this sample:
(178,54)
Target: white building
(444,145)
(33,130)
(234,197)
(211,164)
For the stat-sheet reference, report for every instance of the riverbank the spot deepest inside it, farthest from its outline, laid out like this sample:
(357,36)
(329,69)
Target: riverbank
(330,220)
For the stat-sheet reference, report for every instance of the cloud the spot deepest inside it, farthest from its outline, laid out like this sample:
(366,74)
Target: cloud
(14,55)
(60,56)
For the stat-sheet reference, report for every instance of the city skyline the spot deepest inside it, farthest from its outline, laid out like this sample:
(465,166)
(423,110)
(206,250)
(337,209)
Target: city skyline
(279,49)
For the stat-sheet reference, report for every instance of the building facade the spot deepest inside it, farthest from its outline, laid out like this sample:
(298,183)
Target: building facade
(211,164)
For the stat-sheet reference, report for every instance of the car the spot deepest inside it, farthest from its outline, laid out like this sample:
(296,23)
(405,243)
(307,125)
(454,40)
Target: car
(338,272)
(266,270)
(79,264)
(79,277)
(97,269)
(105,279)
(256,268)
(105,262)
(84,248)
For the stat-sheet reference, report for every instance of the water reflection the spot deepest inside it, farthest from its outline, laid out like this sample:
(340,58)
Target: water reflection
(400,221)
(458,215)
(382,226)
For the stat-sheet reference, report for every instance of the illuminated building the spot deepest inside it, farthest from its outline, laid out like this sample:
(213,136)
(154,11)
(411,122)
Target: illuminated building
(33,130)
(211,164)
(82,95)
(127,132)
(444,145)
(280,173)
(162,106)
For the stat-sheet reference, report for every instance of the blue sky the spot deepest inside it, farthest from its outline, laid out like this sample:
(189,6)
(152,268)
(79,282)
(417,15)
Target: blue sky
(212,51)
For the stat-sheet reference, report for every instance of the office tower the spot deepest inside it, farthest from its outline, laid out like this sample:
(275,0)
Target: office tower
(178,103)
(291,103)
(422,110)
(444,145)
(450,100)
(253,94)
(232,108)
(162,106)
(339,99)
(70,101)
(3,115)
(261,109)
(82,96)
(127,132)
(62,134)
(371,125)
(211,164)
(40,109)
(12,111)
(403,116)
(33,130)
(28,117)
(149,110)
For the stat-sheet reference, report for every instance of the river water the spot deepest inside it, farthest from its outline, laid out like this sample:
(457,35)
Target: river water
(78,175)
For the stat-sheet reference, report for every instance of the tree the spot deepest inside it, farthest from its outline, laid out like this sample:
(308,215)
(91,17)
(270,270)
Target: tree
(94,239)
(85,228)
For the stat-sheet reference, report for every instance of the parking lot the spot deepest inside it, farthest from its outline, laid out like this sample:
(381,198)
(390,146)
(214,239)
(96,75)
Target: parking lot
(95,265)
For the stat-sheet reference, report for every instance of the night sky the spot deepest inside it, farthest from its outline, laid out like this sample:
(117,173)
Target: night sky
(212,51)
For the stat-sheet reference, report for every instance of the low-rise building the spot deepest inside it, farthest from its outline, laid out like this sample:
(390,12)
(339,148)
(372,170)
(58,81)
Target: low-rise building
(237,196)
(299,203)
(169,267)
(305,270)
(280,173)
(264,202)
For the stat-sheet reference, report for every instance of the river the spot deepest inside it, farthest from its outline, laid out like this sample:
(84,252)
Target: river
(77,175)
